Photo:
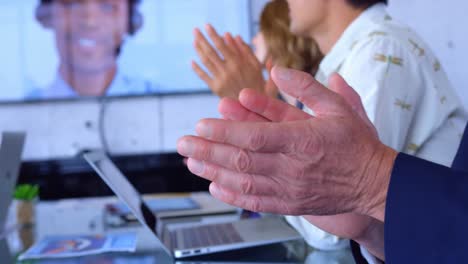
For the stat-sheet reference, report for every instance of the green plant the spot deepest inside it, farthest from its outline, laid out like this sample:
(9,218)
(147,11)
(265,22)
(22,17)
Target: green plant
(26,192)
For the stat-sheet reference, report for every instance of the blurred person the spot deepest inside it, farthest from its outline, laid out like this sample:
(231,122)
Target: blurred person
(232,65)
(89,35)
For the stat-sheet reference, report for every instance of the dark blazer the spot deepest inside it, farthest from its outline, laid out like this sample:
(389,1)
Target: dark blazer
(427,211)
(461,160)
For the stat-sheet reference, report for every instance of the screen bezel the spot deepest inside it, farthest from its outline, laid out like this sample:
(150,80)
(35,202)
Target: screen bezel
(205,91)
(252,28)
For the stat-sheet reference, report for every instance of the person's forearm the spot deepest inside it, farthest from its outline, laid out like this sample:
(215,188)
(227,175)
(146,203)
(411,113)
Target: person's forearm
(378,177)
(373,239)
(365,230)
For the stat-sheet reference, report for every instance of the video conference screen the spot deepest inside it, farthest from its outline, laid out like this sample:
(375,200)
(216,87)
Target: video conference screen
(63,49)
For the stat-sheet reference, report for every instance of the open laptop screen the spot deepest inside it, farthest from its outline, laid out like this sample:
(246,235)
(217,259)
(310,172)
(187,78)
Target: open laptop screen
(119,184)
(10,160)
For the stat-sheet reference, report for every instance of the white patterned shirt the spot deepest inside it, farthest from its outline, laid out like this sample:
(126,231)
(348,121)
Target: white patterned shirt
(405,92)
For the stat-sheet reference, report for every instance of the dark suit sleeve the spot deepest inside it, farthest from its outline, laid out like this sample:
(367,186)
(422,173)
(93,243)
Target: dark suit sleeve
(427,213)
(461,159)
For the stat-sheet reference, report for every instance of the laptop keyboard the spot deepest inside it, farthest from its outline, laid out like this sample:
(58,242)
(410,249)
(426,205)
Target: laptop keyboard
(203,236)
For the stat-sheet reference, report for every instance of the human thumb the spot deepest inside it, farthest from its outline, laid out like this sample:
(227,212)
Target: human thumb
(337,84)
(302,86)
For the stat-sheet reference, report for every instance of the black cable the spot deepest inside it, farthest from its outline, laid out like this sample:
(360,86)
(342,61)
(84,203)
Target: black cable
(160,102)
(103,103)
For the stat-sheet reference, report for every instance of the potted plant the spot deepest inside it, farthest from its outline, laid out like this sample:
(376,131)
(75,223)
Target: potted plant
(26,196)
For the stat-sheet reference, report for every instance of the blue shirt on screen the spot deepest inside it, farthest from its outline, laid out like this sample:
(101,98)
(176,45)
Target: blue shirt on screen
(121,85)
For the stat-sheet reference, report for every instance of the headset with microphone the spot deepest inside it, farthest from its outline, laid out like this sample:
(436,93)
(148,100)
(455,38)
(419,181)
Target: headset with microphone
(135,21)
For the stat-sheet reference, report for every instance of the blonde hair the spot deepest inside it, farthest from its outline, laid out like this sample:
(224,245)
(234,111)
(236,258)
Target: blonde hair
(283,47)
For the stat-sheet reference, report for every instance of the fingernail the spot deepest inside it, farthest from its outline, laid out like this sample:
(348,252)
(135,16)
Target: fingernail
(283,74)
(195,166)
(204,130)
(185,148)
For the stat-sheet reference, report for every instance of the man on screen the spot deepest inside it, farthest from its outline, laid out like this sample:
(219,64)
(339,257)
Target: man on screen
(89,35)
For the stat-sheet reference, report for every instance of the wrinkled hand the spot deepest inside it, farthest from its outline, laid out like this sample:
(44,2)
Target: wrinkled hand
(351,226)
(363,229)
(231,64)
(329,164)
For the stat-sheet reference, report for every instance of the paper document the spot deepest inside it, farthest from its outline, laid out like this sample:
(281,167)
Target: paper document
(76,246)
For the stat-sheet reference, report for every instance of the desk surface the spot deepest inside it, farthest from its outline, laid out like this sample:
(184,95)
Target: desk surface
(268,254)
(85,216)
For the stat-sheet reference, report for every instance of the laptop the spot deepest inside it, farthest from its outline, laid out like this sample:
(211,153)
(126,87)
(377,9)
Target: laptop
(11,149)
(179,209)
(197,239)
